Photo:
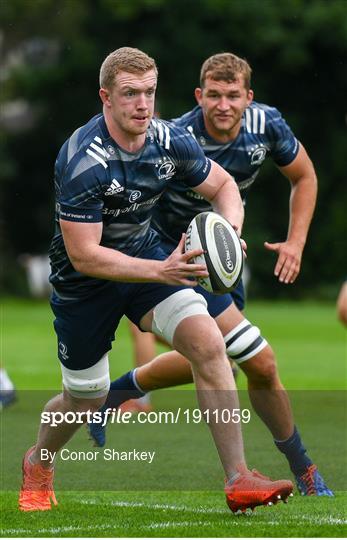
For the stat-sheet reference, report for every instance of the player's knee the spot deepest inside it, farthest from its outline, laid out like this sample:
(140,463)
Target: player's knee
(213,344)
(201,341)
(207,346)
(261,370)
(88,385)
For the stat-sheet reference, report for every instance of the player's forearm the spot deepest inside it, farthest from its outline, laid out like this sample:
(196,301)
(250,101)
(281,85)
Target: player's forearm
(227,202)
(105,263)
(302,204)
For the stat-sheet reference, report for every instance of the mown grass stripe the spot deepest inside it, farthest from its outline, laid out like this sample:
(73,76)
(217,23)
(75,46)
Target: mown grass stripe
(156,506)
(179,508)
(329,520)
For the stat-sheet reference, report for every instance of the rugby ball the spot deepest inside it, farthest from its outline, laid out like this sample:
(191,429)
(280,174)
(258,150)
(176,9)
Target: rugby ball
(223,255)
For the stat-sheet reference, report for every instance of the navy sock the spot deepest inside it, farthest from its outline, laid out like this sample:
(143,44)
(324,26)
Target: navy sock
(121,390)
(295,453)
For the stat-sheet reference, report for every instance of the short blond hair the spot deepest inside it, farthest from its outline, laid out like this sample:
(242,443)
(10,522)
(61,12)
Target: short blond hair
(226,67)
(124,59)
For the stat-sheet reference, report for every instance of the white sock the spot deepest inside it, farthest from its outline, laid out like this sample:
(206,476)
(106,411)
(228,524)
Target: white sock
(144,400)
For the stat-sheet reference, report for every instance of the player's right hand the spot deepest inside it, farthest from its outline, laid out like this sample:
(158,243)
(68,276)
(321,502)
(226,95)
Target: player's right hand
(177,270)
(289,260)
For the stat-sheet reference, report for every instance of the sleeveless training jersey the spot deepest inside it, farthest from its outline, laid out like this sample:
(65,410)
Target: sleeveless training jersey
(263,133)
(97,181)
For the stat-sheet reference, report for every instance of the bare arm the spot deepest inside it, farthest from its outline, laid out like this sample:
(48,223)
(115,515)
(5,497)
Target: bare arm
(341,304)
(302,177)
(82,242)
(222,192)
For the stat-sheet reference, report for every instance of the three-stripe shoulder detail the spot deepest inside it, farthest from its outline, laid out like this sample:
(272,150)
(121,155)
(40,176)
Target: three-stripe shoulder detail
(98,152)
(255,120)
(163,133)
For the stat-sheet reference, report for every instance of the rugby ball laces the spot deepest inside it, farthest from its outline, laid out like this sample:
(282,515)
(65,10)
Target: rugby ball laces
(223,254)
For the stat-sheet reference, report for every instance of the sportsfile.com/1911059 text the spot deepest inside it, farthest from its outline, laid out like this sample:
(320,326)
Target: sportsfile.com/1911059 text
(116,416)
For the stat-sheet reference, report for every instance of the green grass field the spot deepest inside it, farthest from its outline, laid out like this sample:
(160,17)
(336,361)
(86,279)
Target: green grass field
(180,493)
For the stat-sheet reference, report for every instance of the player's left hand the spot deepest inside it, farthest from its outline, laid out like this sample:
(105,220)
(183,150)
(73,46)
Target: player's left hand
(289,260)
(244,247)
(243,243)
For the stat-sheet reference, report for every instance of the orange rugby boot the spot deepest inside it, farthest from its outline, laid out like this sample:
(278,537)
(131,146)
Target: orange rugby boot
(37,488)
(252,489)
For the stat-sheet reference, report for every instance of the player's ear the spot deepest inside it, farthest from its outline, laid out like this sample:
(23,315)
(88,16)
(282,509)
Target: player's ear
(198,95)
(105,96)
(250,95)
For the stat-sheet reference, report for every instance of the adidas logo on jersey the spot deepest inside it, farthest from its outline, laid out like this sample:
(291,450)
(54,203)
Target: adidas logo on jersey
(114,188)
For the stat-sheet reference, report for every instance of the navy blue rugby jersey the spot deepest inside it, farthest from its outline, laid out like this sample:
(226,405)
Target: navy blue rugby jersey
(97,181)
(263,133)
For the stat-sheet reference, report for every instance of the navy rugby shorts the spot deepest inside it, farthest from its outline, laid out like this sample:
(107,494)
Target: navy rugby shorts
(216,303)
(85,327)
